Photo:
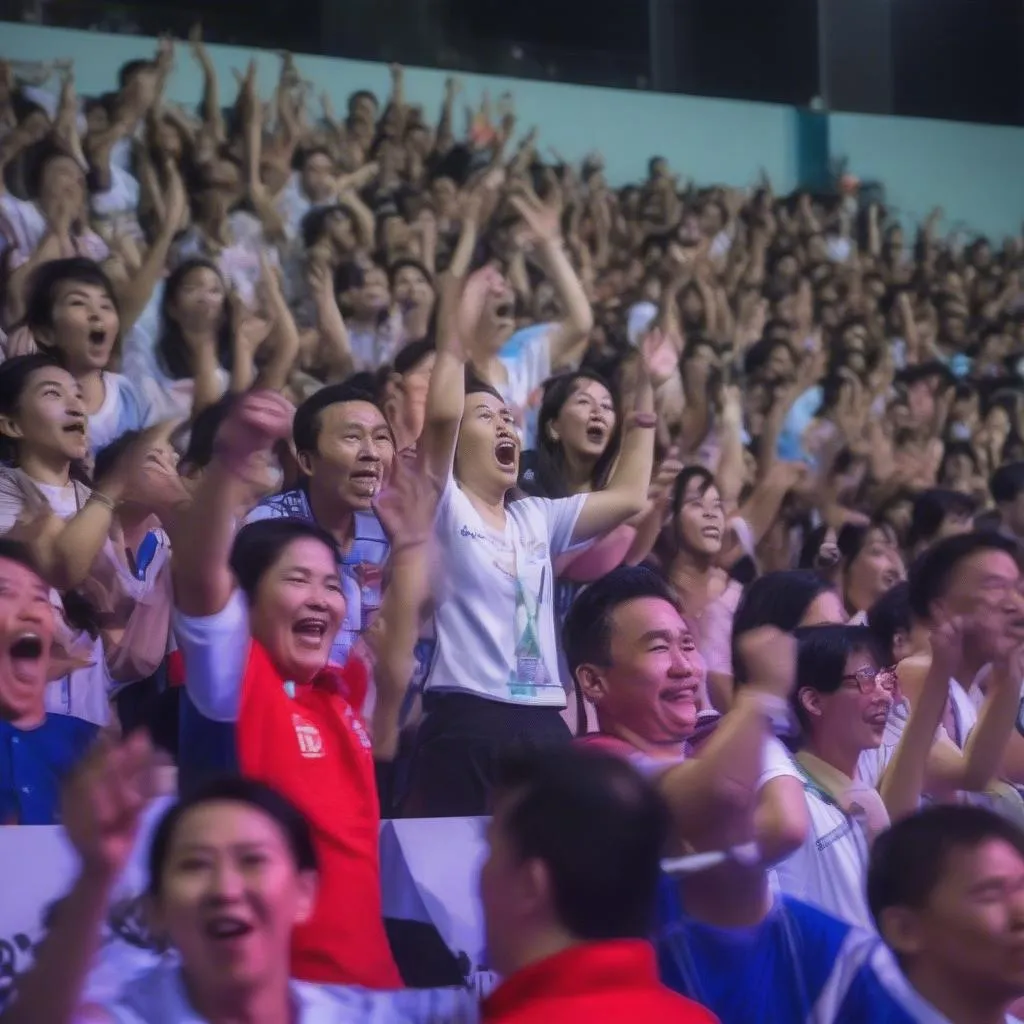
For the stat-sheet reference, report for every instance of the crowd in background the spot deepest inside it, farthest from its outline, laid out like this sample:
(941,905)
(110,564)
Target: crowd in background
(367,466)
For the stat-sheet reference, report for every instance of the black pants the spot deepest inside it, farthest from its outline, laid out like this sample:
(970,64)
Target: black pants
(458,746)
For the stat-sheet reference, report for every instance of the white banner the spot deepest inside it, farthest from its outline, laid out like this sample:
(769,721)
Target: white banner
(429,874)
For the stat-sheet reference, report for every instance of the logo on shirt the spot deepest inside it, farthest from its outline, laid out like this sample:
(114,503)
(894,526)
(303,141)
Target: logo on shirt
(471,534)
(311,743)
(358,728)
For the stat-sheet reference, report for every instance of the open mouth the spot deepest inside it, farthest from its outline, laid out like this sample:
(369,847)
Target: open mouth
(504,311)
(890,579)
(595,433)
(97,337)
(505,452)
(711,533)
(310,631)
(224,928)
(27,647)
(366,481)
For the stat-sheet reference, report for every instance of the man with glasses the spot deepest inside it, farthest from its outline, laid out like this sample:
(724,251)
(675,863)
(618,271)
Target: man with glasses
(853,782)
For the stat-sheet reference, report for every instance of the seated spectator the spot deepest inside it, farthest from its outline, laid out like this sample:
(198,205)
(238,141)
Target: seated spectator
(945,888)
(233,869)
(569,890)
(39,749)
(869,565)
(1007,487)
(256,621)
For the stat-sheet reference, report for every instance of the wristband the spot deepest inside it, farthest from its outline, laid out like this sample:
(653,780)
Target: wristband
(776,709)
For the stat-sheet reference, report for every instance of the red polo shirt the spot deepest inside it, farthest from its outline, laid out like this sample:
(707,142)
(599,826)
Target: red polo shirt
(313,747)
(595,983)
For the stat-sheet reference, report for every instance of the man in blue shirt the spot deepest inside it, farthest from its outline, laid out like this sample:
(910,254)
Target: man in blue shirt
(36,749)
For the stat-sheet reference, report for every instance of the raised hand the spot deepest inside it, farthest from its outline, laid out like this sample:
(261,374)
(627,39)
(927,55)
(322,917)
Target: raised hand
(660,353)
(405,507)
(664,477)
(947,644)
(770,658)
(103,802)
(254,424)
(543,222)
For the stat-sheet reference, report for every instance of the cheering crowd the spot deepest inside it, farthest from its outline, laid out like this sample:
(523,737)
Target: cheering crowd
(362,467)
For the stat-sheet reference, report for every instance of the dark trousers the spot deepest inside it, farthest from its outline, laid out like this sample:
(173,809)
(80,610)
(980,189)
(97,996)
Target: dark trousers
(458,746)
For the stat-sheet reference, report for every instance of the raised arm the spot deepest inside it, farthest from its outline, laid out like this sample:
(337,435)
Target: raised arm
(213,119)
(203,536)
(101,811)
(625,494)
(570,340)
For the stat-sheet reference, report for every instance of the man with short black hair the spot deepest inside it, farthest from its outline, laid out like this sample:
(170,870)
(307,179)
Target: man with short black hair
(345,450)
(569,891)
(946,889)
(36,749)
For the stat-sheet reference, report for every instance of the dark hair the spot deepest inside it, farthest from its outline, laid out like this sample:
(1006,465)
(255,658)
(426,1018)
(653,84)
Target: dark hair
(930,575)
(811,547)
(407,261)
(598,827)
(410,355)
(477,385)
(259,545)
(822,654)
(307,424)
(14,376)
(706,480)
(302,156)
(932,508)
(1007,482)
(550,468)
(778,599)
(237,790)
(362,94)
(587,630)
(16,551)
(889,615)
(42,289)
(171,350)
(202,435)
(908,859)
(107,456)
(35,160)
(314,223)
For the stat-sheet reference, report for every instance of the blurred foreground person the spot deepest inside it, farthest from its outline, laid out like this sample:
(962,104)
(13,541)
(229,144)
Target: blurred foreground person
(569,892)
(232,870)
(946,888)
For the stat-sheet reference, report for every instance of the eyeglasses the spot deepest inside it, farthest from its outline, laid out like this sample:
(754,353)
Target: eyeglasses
(867,678)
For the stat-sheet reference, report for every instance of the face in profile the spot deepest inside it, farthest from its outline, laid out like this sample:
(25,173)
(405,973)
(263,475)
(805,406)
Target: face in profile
(230,894)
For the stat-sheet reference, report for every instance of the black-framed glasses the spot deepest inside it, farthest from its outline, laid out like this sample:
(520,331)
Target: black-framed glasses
(867,678)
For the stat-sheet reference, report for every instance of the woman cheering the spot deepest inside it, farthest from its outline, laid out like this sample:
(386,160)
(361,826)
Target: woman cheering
(494,679)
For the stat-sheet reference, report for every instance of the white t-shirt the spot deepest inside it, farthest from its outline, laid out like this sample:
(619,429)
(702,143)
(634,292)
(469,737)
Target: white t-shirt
(215,649)
(123,409)
(526,357)
(830,867)
(494,614)
(158,996)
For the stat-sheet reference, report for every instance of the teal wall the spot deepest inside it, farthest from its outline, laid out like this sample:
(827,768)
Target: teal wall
(973,171)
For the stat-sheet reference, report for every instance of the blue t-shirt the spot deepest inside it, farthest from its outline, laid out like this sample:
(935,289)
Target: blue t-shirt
(33,764)
(799,964)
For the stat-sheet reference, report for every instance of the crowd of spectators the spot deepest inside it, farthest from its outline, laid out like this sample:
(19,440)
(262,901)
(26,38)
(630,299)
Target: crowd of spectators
(364,467)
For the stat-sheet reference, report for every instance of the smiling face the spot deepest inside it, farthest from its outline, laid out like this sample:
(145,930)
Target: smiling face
(971,930)
(700,524)
(26,632)
(353,456)
(848,719)
(230,895)
(298,609)
(62,181)
(586,421)
(84,325)
(318,177)
(648,692)
(49,422)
